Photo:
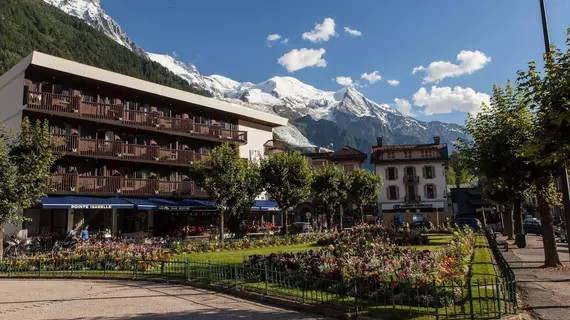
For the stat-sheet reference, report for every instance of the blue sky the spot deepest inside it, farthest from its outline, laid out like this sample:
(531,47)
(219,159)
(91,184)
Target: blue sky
(230,38)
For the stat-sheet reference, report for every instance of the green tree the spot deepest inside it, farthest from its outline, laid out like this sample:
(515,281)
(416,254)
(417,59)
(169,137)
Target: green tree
(363,189)
(330,188)
(25,162)
(287,178)
(501,132)
(225,180)
(457,172)
(249,190)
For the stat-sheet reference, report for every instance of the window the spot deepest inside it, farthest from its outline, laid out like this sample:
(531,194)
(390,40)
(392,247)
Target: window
(391,173)
(348,167)
(407,154)
(393,193)
(390,155)
(430,192)
(429,172)
(427,154)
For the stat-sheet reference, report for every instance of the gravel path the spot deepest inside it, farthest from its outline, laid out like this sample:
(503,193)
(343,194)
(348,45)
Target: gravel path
(101,299)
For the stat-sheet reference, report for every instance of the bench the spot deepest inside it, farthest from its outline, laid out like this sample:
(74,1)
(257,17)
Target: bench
(504,244)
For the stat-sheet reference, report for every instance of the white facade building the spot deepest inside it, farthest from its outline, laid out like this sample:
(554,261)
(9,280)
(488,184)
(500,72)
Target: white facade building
(414,181)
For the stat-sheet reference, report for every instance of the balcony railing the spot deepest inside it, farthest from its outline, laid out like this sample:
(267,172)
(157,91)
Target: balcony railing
(120,114)
(411,199)
(73,183)
(411,179)
(121,150)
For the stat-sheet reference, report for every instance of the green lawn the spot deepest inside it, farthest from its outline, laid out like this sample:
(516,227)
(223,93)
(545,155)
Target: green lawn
(237,256)
(482,267)
(435,240)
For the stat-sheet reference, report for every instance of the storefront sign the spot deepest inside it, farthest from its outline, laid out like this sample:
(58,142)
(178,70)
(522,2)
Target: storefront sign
(173,208)
(91,206)
(407,206)
(412,206)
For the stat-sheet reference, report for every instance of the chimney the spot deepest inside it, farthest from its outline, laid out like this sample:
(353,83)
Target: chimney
(436,140)
(379,141)
(317,149)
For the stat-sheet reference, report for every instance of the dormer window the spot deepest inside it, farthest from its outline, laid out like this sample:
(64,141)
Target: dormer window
(407,154)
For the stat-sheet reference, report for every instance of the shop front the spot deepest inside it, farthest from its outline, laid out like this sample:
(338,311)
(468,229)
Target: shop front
(407,213)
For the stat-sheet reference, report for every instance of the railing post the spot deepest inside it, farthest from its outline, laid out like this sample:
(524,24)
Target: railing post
(356,297)
(235,276)
(134,267)
(436,300)
(40,267)
(187,271)
(498,297)
(470,297)
(266,280)
(210,271)
(105,267)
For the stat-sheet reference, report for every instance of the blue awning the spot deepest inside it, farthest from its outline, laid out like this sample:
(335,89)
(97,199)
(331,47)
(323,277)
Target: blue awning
(169,205)
(265,205)
(200,205)
(76,202)
(142,204)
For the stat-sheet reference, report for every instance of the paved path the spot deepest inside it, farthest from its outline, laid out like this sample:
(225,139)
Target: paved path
(545,292)
(103,299)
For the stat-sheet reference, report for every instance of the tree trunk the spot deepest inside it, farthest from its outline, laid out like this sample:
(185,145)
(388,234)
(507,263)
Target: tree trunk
(517,216)
(1,240)
(341,218)
(551,258)
(222,226)
(332,218)
(285,223)
(362,214)
(508,222)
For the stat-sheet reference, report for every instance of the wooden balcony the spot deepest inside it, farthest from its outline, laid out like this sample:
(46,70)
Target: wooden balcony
(73,106)
(116,185)
(119,150)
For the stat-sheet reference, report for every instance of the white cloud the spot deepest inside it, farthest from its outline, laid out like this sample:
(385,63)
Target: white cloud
(394,83)
(285,41)
(344,81)
(404,106)
(273,37)
(447,99)
(298,59)
(468,62)
(352,32)
(416,69)
(321,32)
(371,77)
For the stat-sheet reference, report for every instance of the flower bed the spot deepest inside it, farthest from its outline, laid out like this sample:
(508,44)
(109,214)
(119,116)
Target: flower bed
(363,234)
(245,243)
(379,269)
(108,255)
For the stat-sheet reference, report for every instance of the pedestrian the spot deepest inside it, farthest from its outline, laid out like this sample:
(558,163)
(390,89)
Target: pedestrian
(85,233)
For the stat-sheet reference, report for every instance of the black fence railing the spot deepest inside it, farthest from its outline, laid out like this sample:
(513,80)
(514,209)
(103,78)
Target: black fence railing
(506,272)
(468,299)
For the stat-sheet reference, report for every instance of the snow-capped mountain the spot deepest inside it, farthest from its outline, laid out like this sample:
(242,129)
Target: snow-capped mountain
(317,117)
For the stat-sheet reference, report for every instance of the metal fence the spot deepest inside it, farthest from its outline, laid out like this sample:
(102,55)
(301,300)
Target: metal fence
(488,299)
(507,274)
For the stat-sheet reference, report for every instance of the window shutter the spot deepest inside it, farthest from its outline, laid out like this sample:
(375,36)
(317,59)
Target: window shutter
(387,177)
(396,173)
(388,193)
(424,172)
(434,191)
(425,191)
(414,171)
(397,192)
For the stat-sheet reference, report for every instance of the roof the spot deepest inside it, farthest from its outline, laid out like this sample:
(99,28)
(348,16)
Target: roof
(346,152)
(461,186)
(401,147)
(82,70)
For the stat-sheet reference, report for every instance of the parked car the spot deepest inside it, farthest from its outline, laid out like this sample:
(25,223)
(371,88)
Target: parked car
(473,223)
(348,223)
(421,225)
(300,227)
(532,226)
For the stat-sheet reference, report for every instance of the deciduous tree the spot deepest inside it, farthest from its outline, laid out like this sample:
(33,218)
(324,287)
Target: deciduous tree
(330,188)
(363,189)
(287,178)
(25,162)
